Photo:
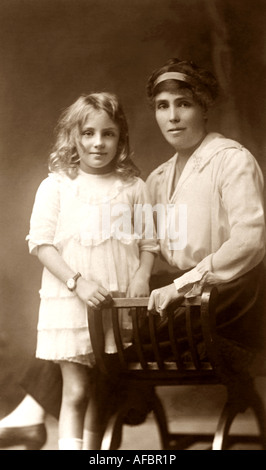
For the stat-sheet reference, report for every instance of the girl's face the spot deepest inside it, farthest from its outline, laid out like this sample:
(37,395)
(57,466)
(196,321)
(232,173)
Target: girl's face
(99,141)
(181,120)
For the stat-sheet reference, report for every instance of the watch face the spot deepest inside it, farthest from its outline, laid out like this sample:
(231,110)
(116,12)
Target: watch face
(71,283)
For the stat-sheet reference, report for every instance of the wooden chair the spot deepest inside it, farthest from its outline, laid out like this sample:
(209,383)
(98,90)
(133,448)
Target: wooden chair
(145,366)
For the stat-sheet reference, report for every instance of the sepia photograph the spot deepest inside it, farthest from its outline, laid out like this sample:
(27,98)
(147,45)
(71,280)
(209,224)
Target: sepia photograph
(132,189)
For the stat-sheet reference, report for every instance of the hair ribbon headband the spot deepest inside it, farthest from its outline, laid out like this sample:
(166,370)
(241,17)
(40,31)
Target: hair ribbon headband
(172,76)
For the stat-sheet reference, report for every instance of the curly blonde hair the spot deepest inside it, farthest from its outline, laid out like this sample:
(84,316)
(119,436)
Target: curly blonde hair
(65,155)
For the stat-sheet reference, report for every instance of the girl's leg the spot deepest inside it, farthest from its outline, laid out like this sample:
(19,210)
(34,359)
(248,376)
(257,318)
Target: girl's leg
(101,402)
(76,383)
(93,425)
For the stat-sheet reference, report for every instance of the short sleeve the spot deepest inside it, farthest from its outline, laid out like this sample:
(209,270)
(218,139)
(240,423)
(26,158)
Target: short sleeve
(44,217)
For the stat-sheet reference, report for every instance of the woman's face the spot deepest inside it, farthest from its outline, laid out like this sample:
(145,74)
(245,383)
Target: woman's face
(99,141)
(181,119)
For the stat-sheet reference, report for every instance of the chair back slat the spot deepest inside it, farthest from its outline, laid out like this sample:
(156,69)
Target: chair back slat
(118,337)
(137,337)
(173,342)
(95,320)
(208,322)
(154,341)
(191,340)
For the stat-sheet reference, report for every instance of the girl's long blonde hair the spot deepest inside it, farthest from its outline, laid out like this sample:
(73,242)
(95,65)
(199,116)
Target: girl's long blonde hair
(65,155)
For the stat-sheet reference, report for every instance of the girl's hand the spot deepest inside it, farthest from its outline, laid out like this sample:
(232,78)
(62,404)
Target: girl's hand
(92,293)
(139,286)
(161,298)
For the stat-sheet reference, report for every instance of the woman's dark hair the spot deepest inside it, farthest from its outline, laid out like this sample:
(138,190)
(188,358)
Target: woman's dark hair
(201,83)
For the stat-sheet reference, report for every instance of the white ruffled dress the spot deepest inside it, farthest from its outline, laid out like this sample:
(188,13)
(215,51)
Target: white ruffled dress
(90,221)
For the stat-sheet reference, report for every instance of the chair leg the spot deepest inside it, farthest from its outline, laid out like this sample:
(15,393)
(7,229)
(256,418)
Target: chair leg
(258,409)
(135,404)
(113,433)
(161,421)
(220,438)
(240,398)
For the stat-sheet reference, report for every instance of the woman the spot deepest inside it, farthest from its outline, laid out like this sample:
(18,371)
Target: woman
(218,185)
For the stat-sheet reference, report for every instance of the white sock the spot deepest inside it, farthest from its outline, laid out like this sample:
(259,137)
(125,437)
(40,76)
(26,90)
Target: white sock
(27,413)
(70,443)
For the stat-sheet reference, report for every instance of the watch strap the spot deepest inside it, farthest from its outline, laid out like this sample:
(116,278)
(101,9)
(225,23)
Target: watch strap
(76,276)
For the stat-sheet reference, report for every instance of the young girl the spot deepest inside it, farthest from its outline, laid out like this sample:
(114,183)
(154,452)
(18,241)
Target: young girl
(76,233)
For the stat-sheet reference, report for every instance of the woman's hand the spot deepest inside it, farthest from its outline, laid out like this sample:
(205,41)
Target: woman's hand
(92,293)
(161,298)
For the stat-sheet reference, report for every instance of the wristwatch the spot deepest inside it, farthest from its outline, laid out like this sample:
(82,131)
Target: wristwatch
(72,282)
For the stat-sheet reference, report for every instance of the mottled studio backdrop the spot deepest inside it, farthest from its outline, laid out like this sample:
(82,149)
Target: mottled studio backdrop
(51,51)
